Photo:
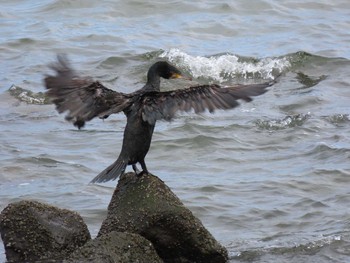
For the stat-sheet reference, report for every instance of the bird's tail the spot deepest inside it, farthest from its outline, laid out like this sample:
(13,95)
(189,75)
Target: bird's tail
(112,172)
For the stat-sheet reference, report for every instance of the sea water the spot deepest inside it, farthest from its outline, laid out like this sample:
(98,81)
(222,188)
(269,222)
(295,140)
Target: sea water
(269,179)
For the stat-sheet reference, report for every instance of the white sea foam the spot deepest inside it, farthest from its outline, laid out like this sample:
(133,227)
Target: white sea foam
(222,67)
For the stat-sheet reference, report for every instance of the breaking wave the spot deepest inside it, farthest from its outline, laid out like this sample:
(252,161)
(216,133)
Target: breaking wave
(224,67)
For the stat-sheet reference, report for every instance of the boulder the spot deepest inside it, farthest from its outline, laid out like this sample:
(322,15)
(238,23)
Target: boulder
(116,247)
(145,205)
(33,231)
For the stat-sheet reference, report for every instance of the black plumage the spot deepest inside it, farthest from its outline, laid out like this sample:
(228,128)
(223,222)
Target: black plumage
(85,99)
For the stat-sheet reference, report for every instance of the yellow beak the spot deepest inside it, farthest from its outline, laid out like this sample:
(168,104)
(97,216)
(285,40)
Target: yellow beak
(179,76)
(176,76)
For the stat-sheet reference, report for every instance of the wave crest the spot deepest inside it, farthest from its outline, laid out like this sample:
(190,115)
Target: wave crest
(223,67)
(287,122)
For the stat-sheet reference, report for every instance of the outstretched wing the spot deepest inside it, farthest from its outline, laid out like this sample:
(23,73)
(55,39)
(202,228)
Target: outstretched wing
(83,98)
(163,105)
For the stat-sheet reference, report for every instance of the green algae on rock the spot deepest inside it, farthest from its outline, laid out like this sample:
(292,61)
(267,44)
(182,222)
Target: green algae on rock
(146,206)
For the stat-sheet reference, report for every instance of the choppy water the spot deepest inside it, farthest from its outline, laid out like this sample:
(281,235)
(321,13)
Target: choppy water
(270,180)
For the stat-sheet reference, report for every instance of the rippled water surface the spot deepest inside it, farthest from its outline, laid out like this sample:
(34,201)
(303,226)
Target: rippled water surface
(270,179)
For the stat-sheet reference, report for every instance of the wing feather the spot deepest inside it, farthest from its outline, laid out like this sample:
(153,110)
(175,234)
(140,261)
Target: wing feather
(164,105)
(83,98)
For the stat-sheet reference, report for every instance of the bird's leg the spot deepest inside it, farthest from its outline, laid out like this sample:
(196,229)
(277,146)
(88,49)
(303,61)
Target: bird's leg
(144,168)
(134,167)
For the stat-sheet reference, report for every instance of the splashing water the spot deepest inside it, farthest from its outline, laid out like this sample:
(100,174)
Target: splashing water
(222,67)
(28,96)
(287,122)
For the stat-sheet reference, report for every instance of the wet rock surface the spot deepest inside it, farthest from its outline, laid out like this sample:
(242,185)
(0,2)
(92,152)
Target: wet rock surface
(146,223)
(116,247)
(146,206)
(37,232)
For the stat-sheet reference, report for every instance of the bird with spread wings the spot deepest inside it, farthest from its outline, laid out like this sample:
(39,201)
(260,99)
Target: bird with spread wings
(84,99)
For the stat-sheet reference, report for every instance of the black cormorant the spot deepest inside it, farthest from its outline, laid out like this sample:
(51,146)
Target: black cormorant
(85,99)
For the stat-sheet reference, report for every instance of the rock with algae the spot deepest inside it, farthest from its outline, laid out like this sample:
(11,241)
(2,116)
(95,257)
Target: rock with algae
(116,247)
(146,206)
(37,232)
(146,222)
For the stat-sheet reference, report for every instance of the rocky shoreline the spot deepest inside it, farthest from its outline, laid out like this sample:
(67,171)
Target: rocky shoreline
(146,222)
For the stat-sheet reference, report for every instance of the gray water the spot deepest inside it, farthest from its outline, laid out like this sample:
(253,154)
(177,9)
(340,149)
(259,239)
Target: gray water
(270,179)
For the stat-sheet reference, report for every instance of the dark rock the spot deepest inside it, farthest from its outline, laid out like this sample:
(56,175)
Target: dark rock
(116,247)
(146,206)
(32,231)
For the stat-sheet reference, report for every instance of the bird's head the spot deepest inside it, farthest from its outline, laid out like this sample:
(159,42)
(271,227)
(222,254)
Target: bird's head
(164,70)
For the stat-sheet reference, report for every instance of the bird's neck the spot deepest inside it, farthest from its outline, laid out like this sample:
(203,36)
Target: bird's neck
(153,84)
